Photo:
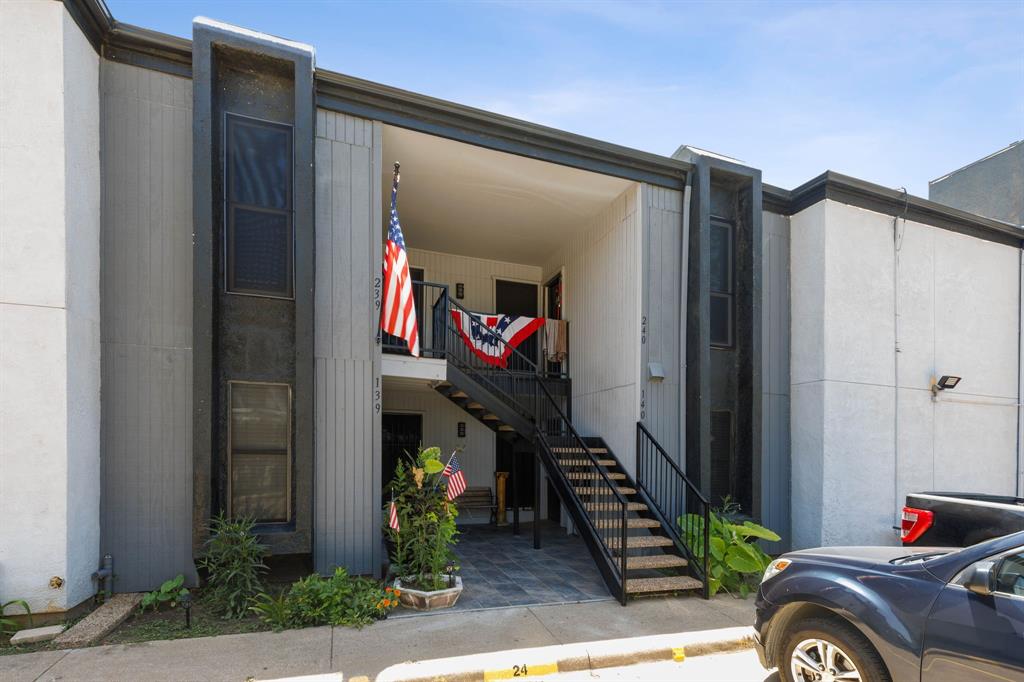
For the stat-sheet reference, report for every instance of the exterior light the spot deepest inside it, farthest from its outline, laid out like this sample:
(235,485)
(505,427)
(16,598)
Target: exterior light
(946,382)
(460,290)
(462,429)
(186,603)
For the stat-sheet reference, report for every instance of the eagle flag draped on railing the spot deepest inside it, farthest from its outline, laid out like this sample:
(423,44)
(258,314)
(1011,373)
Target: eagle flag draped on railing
(398,312)
(484,334)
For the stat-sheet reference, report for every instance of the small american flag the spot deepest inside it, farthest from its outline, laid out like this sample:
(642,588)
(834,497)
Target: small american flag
(393,519)
(398,313)
(456,479)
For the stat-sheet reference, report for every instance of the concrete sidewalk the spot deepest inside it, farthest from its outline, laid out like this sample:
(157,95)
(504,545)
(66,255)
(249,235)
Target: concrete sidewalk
(372,649)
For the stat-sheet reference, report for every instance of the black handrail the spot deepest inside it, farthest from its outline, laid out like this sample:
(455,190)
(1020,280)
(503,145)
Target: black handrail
(425,295)
(678,502)
(605,509)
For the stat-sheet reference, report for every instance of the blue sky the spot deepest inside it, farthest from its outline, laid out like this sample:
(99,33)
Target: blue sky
(894,93)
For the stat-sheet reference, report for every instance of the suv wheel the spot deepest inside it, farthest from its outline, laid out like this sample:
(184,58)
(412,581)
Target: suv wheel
(828,650)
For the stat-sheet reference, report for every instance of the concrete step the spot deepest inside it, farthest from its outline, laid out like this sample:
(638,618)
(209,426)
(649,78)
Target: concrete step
(490,418)
(457,394)
(578,451)
(590,476)
(474,406)
(654,561)
(603,490)
(586,462)
(100,622)
(641,542)
(506,427)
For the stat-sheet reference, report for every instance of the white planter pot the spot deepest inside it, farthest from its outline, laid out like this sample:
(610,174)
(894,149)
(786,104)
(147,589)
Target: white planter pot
(421,600)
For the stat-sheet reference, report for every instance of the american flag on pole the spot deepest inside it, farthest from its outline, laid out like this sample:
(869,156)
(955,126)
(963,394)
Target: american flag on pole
(393,517)
(456,479)
(398,313)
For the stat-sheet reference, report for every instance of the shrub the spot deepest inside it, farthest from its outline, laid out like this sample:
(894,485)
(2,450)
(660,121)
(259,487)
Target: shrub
(234,562)
(7,625)
(737,563)
(170,592)
(336,600)
(423,545)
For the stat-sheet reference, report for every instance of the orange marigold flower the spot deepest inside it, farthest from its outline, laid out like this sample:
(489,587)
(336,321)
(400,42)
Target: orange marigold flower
(398,593)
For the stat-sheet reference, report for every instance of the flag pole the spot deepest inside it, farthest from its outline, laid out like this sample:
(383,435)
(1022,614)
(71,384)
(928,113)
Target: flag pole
(438,481)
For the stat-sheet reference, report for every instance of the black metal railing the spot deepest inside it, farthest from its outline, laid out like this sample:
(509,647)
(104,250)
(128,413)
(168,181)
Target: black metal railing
(602,508)
(684,510)
(426,296)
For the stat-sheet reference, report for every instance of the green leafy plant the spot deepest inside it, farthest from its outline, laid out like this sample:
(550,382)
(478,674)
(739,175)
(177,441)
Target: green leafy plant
(169,593)
(736,562)
(9,626)
(339,599)
(234,565)
(422,547)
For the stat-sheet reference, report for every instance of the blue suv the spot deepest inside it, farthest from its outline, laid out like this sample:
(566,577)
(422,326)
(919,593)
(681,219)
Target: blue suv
(877,614)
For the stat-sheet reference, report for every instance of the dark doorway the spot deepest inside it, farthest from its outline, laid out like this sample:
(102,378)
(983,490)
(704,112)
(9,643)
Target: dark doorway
(520,480)
(393,344)
(400,434)
(518,298)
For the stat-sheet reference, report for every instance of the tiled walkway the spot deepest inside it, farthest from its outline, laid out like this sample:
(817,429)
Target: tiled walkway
(501,569)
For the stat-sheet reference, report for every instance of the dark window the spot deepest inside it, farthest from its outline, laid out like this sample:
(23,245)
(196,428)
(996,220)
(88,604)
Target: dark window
(721,285)
(259,451)
(258,207)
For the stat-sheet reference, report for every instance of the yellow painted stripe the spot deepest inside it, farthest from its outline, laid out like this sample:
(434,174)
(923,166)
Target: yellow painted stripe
(678,654)
(517,671)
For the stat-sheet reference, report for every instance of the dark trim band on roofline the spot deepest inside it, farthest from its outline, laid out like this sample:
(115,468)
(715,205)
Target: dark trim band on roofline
(867,195)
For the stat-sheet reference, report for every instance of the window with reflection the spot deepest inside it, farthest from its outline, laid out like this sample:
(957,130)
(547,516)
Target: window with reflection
(259,445)
(721,285)
(258,207)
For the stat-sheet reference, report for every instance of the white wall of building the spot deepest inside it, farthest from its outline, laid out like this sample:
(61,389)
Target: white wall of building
(602,302)
(862,436)
(49,306)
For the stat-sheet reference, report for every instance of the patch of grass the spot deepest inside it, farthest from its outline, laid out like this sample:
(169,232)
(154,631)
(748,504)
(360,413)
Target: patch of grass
(170,624)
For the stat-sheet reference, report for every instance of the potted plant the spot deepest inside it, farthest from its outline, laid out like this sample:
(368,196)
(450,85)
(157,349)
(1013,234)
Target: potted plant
(421,545)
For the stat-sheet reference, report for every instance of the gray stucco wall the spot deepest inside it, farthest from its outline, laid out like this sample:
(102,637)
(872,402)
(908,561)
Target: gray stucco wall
(347,375)
(146,324)
(992,187)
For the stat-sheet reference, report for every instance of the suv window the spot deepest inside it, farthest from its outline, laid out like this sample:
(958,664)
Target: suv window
(1010,574)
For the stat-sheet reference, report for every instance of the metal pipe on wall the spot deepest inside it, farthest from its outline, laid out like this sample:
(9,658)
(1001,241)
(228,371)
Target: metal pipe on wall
(684,273)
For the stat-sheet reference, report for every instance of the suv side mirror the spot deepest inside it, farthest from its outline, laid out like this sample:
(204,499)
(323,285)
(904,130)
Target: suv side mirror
(981,578)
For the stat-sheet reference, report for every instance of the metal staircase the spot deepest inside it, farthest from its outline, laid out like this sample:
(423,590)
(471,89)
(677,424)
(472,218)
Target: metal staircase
(630,526)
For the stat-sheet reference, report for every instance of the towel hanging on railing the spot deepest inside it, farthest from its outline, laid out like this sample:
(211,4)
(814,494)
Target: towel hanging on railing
(492,337)
(555,340)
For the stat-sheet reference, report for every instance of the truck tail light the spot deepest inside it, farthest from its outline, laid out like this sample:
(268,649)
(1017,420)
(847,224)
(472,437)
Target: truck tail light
(915,523)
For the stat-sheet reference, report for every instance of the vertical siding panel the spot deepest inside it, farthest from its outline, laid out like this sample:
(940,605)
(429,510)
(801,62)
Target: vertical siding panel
(347,362)
(145,281)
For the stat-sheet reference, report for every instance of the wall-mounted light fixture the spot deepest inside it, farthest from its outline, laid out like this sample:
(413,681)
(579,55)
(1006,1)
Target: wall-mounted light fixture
(462,429)
(946,382)
(460,290)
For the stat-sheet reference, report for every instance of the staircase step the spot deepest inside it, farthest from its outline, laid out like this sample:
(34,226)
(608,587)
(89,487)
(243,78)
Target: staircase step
(635,522)
(675,583)
(586,462)
(578,451)
(474,406)
(490,418)
(603,490)
(641,542)
(506,427)
(457,394)
(655,561)
(590,476)
(607,506)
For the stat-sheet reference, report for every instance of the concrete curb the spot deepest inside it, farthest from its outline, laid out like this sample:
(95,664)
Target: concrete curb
(549,660)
